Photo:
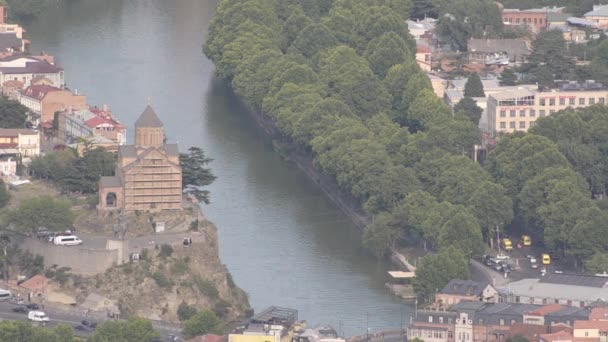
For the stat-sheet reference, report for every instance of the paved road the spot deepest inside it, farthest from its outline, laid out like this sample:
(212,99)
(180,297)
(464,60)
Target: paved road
(72,318)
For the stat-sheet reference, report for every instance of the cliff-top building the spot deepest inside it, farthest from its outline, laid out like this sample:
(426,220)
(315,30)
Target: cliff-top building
(148,175)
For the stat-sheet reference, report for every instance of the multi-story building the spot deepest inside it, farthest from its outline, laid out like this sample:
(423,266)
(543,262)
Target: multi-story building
(535,18)
(148,174)
(498,51)
(458,290)
(25,68)
(26,141)
(47,100)
(599,16)
(517,110)
(474,321)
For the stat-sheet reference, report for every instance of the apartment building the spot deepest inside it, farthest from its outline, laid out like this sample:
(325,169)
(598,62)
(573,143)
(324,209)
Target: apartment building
(26,141)
(517,110)
(47,100)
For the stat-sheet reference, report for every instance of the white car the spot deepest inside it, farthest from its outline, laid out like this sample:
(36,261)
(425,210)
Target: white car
(67,240)
(37,316)
(533,260)
(502,257)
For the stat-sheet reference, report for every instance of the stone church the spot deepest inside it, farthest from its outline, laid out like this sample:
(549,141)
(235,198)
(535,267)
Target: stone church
(148,176)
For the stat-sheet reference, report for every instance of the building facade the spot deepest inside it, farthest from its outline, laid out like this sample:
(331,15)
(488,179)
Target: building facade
(517,110)
(26,141)
(47,100)
(148,175)
(599,16)
(24,69)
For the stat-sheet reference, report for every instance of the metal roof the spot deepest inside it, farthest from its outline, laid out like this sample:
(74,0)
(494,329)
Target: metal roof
(534,288)
(512,94)
(598,11)
(276,315)
(574,279)
(464,287)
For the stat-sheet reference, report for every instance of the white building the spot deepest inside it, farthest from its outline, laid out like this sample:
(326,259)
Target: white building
(24,69)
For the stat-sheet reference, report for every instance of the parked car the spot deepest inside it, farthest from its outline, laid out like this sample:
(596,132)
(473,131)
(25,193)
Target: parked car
(501,257)
(558,271)
(67,240)
(5,295)
(81,327)
(546,259)
(543,271)
(507,244)
(37,316)
(43,233)
(32,306)
(20,309)
(489,260)
(526,240)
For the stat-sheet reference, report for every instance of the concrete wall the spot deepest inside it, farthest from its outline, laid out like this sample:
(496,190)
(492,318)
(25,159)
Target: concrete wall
(81,259)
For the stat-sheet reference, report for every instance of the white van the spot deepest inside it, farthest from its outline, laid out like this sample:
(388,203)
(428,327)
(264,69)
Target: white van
(67,240)
(5,295)
(37,316)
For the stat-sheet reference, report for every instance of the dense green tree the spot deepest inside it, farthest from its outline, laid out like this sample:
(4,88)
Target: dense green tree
(254,74)
(518,338)
(385,51)
(377,20)
(589,235)
(341,21)
(550,59)
(11,331)
(294,24)
(598,263)
(391,187)
(43,211)
(433,272)
(473,87)
(395,82)
(12,114)
(415,84)
(313,39)
(132,330)
(508,78)
(195,174)
(204,322)
(461,20)
(427,108)
(469,109)
(421,212)
(492,207)
(318,119)
(381,235)
(5,196)
(462,232)
(185,311)
(423,8)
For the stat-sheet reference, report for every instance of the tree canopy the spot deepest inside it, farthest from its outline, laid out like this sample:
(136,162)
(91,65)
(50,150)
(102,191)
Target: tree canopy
(43,211)
(12,114)
(131,330)
(195,174)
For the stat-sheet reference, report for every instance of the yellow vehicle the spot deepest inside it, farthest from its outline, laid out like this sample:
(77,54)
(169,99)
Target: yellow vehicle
(507,244)
(546,259)
(527,240)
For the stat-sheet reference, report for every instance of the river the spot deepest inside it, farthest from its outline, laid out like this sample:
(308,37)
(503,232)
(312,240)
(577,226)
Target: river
(285,243)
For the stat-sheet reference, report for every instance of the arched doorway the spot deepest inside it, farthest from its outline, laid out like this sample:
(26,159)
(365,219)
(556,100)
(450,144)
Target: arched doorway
(111,200)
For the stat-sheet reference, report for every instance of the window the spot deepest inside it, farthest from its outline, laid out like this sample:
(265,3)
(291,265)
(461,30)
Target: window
(512,124)
(557,301)
(502,321)
(571,101)
(542,113)
(517,20)
(512,321)
(602,100)
(544,300)
(586,334)
(522,125)
(591,101)
(535,19)
(562,101)
(581,101)
(430,319)
(542,102)
(552,101)
(503,113)
(440,319)
(516,299)
(532,113)
(522,113)
(512,113)
(551,111)
(449,321)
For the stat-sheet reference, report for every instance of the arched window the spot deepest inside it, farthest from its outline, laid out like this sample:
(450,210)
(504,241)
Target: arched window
(111,200)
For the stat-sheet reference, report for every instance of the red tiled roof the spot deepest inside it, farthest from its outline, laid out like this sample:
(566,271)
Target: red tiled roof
(98,120)
(558,336)
(13,83)
(37,282)
(39,92)
(599,314)
(423,49)
(600,325)
(547,309)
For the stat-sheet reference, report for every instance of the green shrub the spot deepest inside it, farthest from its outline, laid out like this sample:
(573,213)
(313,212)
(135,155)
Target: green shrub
(162,280)
(185,311)
(221,308)
(230,281)
(179,267)
(165,251)
(206,287)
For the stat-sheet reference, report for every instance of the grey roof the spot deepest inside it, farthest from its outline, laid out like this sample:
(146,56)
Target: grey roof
(513,47)
(570,312)
(598,11)
(38,67)
(464,287)
(171,150)
(128,151)
(109,182)
(534,288)
(423,315)
(575,279)
(492,313)
(558,17)
(148,119)
(580,21)
(10,41)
